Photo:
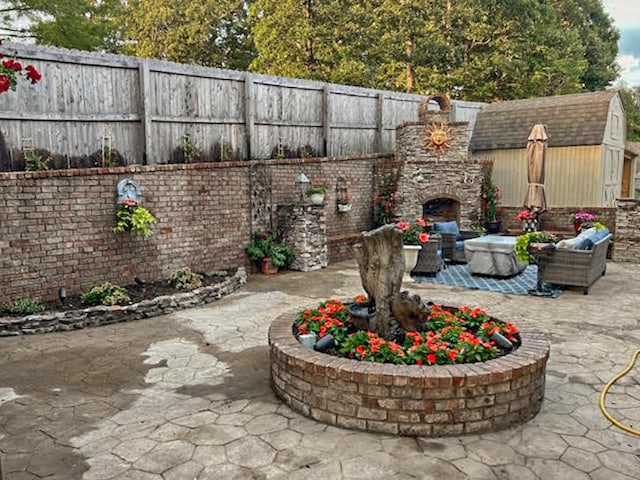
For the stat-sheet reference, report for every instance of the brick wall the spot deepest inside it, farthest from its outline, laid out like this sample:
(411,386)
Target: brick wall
(55,227)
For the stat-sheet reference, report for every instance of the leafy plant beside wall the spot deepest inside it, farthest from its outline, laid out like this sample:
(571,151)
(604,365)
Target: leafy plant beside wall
(133,217)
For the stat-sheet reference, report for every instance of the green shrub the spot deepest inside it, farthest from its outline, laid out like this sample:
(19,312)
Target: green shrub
(185,279)
(106,294)
(35,162)
(24,306)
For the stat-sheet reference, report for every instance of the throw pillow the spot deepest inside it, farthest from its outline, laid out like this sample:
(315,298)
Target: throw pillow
(575,241)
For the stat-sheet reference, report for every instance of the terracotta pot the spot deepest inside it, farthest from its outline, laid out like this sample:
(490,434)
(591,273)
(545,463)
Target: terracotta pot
(267,268)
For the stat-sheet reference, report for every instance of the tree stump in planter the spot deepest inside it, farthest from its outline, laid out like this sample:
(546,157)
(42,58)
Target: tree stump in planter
(380,258)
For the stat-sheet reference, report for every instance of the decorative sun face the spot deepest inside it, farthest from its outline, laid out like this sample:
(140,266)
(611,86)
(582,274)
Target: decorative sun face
(437,137)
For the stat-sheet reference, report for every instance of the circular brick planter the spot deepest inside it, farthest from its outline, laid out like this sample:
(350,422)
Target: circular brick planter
(409,399)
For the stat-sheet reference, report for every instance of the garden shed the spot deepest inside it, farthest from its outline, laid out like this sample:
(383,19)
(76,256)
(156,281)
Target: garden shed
(586,164)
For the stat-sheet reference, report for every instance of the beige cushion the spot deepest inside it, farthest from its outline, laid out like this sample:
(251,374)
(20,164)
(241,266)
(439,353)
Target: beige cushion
(569,243)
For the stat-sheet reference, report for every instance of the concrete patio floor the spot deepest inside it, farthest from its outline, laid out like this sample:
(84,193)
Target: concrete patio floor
(187,396)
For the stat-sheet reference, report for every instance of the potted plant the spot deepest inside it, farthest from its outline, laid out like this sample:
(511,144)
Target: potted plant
(316,195)
(268,250)
(344,203)
(491,205)
(524,242)
(413,236)
(582,220)
(133,217)
(529,220)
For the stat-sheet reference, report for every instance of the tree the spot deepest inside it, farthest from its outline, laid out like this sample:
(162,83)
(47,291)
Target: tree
(631,102)
(599,37)
(79,24)
(207,32)
(474,50)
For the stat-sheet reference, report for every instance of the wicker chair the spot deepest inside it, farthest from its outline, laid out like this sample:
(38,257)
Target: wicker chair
(429,259)
(453,248)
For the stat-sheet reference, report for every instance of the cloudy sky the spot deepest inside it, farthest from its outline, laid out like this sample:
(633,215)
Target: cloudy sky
(626,15)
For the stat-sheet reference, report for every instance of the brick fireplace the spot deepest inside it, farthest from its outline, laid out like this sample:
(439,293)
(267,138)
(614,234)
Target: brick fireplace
(438,183)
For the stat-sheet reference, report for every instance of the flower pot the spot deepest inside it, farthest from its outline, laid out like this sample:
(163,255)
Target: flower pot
(493,227)
(577,225)
(317,198)
(529,226)
(344,207)
(411,253)
(267,268)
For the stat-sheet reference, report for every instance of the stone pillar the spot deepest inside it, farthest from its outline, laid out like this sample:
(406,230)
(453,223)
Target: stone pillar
(304,228)
(626,244)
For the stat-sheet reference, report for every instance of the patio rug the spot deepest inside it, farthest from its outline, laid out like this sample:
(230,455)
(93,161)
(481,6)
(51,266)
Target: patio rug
(459,276)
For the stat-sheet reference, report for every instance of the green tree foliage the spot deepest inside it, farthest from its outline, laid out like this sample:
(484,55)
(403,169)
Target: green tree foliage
(598,36)
(474,50)
(205,32)
(631,102)
(79,24)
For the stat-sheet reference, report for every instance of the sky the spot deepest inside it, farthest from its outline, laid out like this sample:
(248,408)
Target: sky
(626,16)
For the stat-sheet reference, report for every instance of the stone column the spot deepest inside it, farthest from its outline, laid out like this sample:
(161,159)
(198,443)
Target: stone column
(304,228)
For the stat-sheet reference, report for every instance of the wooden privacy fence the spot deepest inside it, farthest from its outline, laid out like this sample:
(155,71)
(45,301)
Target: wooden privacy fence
(146,109)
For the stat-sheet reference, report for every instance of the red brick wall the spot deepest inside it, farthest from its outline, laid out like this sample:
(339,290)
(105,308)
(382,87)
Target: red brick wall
(55,227)
(557,219)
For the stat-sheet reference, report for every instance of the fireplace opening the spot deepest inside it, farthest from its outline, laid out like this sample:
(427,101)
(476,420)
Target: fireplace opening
(441,210)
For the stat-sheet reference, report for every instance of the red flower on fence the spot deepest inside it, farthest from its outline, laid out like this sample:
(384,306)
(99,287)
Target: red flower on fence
(10,68)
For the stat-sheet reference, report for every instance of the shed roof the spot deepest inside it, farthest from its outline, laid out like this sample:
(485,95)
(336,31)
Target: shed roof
(577,119)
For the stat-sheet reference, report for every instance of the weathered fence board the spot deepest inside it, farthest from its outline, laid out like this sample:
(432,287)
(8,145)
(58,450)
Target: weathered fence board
(146,107)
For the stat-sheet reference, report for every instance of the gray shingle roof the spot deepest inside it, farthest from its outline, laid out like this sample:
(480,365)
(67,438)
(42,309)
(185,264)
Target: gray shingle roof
(578,119)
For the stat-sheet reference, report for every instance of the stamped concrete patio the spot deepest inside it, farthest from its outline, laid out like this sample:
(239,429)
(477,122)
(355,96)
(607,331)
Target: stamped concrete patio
(186,396)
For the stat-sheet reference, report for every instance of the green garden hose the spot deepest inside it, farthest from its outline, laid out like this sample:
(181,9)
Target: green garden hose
(624,427)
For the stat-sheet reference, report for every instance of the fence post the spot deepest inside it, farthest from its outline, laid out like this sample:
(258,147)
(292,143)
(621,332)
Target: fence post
(148,154)
(326,120)
(249,114)
(380,123)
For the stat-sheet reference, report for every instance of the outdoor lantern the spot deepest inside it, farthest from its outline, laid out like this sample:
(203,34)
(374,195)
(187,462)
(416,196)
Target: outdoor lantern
(62,294)
(302,182)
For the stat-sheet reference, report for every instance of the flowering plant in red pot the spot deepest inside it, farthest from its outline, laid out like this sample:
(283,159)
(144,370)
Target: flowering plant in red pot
(582,220)
(10,69)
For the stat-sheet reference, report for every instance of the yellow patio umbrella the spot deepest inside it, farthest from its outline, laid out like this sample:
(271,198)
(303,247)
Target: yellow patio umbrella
(535,199)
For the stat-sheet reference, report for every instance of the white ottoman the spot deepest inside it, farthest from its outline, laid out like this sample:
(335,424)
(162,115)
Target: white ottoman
(492,255)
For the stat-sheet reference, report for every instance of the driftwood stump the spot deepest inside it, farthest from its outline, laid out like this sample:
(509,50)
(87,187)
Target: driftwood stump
(380,258)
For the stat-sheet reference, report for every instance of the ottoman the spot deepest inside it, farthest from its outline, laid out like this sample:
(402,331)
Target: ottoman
(492,255)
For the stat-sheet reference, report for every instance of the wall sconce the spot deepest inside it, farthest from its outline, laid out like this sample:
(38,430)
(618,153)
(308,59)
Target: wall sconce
(302,184)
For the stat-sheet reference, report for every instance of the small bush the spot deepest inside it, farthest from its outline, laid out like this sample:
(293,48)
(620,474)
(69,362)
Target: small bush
(106,294)
(185,279)
(24,306)
(35,162)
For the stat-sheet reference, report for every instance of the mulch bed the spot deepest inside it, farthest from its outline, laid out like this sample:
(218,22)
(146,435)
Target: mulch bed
(138,293)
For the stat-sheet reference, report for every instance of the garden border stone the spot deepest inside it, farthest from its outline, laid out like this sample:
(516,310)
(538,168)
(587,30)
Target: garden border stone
(104,315)
(411,400)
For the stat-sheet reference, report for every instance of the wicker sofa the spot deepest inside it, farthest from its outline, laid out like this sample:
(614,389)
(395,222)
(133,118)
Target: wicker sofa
(575,267)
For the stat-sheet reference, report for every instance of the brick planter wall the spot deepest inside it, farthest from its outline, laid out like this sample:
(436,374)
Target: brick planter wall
(409,399)
(55,226)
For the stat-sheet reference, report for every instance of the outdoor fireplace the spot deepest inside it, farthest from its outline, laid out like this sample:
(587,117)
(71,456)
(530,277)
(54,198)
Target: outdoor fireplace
(439,181)
(441,210)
